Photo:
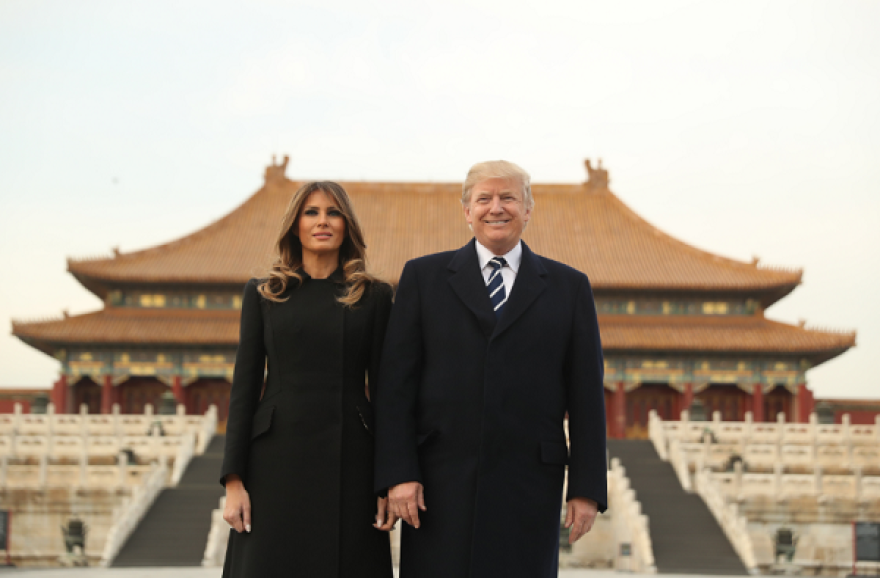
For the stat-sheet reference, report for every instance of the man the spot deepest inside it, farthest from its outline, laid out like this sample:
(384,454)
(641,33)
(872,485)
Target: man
(488,348)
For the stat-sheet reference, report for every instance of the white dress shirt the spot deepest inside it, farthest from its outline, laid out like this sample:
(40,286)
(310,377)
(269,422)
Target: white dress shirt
(508,274)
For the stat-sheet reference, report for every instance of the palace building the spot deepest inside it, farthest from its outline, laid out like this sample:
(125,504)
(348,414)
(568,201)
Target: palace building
(678,324)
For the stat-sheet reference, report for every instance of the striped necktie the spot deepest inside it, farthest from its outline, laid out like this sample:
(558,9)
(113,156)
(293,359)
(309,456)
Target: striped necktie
(497,294)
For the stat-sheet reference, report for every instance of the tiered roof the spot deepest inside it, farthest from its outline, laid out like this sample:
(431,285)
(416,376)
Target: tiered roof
(584,225)
(620,333)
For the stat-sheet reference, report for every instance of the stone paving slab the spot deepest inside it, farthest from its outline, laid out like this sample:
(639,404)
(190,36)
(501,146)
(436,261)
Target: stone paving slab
(215,573)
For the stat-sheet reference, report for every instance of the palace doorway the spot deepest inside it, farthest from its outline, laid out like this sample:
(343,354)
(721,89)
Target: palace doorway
(85,391)
(730,400)
(200,394)
(776,401)
(135,393)
(640,401)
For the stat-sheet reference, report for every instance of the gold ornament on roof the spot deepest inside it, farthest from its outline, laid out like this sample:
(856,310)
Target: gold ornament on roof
(596,177)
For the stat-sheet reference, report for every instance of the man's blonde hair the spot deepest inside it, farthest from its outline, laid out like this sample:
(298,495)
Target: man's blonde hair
(501,170)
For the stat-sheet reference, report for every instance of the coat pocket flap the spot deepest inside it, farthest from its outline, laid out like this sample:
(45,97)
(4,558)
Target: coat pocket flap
(554,453)
(262,420)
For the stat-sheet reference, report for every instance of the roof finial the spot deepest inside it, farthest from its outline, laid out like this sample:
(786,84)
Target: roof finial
(276,172)
(596,177)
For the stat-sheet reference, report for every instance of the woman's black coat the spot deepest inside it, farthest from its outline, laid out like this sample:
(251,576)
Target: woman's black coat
(305,450)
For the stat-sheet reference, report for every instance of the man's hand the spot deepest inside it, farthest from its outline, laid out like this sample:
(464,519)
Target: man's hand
(237,511)
(385,518)
(579,516)
(405,500)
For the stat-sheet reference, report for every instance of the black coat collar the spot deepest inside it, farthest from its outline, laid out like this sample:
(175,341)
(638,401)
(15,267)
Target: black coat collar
(337,276)
(467,282)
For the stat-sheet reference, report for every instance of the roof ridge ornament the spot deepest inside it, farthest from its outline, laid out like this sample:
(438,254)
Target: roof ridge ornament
(597,178)
(276,172)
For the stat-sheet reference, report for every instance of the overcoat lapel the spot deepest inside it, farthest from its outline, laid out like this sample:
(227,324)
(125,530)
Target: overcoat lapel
(528,285)
(467,282)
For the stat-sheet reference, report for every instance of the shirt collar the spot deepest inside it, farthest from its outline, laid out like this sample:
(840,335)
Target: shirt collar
(513,258)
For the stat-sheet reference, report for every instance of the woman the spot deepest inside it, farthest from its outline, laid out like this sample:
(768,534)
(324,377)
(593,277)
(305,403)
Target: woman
(298,466)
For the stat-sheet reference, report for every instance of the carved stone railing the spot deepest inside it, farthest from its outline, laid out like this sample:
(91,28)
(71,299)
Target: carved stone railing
(733,524)
(679,463)
(47,474)
(218,537)
(749,431)
(778,487)
(132,510)
(115,424)
(183,457)
(206,429)
(630,525)
(657,435)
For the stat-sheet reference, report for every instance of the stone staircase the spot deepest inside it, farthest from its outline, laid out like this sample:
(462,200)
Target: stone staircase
(685,536)
(175,530)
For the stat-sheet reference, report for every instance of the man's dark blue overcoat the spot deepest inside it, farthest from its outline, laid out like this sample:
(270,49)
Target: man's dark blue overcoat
(474,410)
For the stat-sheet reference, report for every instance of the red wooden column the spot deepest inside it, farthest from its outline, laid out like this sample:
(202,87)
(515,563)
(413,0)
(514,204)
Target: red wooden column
(107,394)
(177,388)
(687,397)
(59,394)
(619,422)
(804,403)
(758,403)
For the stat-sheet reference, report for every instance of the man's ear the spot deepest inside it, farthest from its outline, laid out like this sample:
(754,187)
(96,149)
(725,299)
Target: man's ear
(467,214)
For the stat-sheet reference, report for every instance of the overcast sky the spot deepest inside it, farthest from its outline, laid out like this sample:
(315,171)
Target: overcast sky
(744,128)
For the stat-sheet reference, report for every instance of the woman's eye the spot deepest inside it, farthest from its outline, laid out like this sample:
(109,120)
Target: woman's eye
(334,213)
(311,212)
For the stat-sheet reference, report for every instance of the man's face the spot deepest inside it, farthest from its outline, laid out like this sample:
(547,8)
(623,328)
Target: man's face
(497,214)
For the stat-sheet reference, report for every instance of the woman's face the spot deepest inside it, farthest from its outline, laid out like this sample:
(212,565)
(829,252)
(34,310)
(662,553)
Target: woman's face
(321,226)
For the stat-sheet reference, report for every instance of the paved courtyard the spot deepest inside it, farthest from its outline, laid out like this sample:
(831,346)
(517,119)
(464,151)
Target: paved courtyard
(215,573)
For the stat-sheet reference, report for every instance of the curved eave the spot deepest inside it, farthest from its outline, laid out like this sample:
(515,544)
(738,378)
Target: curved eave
(767,295)
(734,335)
(133,327)
(96,286)
(242,237)
(40,345)
(101,286)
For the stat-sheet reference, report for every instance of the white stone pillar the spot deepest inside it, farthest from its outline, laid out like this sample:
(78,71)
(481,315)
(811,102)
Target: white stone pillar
(44,471)
(122,464)
(114,411)
(858,484)
(777,480)
(737,479)
(84,468)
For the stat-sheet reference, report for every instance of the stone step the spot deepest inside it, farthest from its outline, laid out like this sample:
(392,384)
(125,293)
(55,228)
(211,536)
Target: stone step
(174,531)
(684,534)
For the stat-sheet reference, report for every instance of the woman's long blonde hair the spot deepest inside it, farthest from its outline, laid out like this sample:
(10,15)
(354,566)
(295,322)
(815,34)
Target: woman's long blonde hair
(287,267)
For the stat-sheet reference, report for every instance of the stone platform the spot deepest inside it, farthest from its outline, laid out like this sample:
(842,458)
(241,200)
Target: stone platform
(215,573)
